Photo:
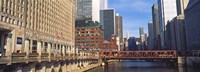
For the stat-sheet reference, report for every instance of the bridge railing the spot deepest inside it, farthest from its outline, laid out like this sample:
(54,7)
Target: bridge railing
(32,57)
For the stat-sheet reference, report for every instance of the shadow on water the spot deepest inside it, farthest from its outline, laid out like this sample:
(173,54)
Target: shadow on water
(140,66)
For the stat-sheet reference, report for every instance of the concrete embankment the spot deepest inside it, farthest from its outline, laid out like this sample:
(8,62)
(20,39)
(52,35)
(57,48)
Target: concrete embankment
(87,68)
(189,61)
(93,66)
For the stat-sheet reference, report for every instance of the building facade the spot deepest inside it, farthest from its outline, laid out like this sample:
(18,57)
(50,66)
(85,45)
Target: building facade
(28,26)
(104,4)
(156,25)
(167,10)
(180,33)
(181,5)
(108,23)
(89,36)
(118,29)
(176,39)
(170,36)
(151,36)
(142,38)
(192,25)
(132,44)
(88,10)
(114,41)
(112,44)
(106,45)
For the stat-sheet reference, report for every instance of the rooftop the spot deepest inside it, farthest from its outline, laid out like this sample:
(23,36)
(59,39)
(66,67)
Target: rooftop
(87,23)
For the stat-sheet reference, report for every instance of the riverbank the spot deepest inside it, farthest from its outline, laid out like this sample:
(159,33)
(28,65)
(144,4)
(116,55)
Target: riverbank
(85,69)
(92,66)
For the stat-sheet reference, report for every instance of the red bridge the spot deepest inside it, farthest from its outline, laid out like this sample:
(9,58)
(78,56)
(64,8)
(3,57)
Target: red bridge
(151,54)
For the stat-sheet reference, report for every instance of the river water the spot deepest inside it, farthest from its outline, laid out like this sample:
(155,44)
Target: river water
(141,66)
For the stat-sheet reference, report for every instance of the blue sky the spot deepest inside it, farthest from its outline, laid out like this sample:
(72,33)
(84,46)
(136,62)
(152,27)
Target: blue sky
(135,13)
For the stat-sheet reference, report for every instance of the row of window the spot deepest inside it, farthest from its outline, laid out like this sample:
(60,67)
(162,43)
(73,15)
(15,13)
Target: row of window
(88,44)
(87,35)
(86,32)
(86,38)
(87,29)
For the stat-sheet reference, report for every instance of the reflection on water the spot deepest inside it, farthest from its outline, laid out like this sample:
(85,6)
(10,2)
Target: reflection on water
(140,66)
(189,69)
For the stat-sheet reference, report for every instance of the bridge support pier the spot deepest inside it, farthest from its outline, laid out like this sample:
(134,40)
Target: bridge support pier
(193,61)
(182,61)
(33,68)
(19,69)
(64,68)
(73,66)
(189,61)
(48,69)
(69,67)
(43,68)
(52,68)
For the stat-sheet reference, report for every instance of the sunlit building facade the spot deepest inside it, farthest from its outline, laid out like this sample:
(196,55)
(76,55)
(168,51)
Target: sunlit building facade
(89,36)
(88,10)
(28,26)
(119,29)
(156,25)
(167,10)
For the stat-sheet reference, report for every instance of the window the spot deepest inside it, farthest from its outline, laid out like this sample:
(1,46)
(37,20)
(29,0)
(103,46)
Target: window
(82,38)
(78,39)
(87,35)
(87,39)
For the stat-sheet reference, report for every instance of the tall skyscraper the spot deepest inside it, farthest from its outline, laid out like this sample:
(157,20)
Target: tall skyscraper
(108,22)
(126,41)
(170,36)
(119,28)
(145,41)
(142,38)
(141,31)
(37,26)
(104,4)
(167,10)
(132,44)
(88,10)
(180,33)
(175,33)
(127,34)
(192,25)
(151,36)
(156,25)
(181,5)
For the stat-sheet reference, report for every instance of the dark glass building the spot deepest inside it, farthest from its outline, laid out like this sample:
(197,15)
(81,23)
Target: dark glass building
(192,25)
(108,22)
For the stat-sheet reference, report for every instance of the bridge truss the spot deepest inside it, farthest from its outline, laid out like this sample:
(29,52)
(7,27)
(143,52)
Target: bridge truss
(151,54)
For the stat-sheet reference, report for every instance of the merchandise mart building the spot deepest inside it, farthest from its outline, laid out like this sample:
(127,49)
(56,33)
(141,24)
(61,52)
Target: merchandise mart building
(29,26)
